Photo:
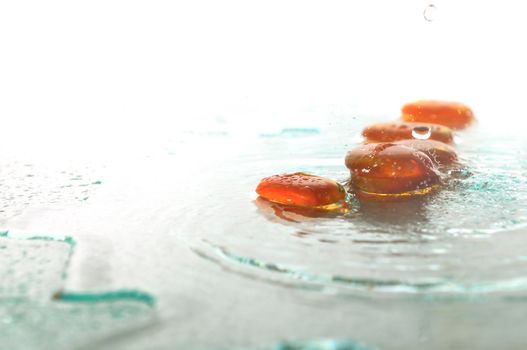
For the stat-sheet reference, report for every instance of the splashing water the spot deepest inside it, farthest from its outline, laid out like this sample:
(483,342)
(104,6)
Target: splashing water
(434,245)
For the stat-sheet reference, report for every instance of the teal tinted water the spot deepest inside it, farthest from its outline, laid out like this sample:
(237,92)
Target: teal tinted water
(35,312)
(32,267)
(27,324)
(466,239)
(179,220)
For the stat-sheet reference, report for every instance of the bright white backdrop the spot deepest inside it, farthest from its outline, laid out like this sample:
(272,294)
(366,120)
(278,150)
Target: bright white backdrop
(117,79)
(83,72)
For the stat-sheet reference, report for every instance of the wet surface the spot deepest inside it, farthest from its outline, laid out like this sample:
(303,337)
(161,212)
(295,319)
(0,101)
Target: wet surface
(34,184)
(443,271)
(457,240)
(35,312)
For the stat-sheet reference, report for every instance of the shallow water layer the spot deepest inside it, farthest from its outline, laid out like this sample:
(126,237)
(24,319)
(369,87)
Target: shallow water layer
(466,238)
(39,183)
(180,221)
(35,311)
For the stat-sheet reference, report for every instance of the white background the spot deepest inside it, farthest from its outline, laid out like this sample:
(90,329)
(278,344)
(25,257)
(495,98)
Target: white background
(77,72)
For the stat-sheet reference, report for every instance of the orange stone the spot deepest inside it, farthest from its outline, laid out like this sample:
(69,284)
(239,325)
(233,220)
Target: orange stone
(440,153)
(298,214)
(452,114)
(389,132)
(300,189)
(391,170)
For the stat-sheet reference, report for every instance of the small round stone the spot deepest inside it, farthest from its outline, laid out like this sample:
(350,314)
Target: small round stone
(390,170)
(390,132)
(455,115)
(301,189)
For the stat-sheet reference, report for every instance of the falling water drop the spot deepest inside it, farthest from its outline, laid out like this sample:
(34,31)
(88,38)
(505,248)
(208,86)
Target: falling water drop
(421,132)
(430,12)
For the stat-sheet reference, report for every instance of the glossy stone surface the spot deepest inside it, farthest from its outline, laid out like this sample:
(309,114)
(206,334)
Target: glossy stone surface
(452,114)
(388,169)
(300,189)
(395,131)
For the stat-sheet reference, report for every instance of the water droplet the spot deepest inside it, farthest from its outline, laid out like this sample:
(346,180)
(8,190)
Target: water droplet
(430,12)
(421,132)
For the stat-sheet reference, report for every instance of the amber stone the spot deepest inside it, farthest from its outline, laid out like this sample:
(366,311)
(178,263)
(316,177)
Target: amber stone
(455,115)
(440,153)
(388,169)
(395,131)
(301,189)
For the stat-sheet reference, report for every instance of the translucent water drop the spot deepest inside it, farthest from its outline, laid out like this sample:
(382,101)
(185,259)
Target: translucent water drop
(430,12)
(422,132)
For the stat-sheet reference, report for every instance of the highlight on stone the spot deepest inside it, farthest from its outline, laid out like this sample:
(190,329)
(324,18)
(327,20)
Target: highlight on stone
(455,115)
(302,190)
(395,131)
(387,171)
(398,160)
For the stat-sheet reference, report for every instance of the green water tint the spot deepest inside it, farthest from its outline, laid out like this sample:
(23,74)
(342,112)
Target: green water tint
(466,240)
(120,295)
(427,285)
(33,267)
(27,324)
(314,344)
(36,237)
(487,194)
(322,345)
(35,312)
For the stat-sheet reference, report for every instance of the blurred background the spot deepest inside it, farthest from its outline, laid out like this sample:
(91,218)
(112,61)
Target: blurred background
(140,128)
(86,72)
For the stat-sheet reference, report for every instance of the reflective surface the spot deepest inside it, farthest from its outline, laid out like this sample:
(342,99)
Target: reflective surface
(457,240)
(216,258)
(141,131)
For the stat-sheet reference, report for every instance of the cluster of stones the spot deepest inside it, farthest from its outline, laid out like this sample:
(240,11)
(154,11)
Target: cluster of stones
(398,160)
